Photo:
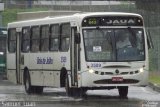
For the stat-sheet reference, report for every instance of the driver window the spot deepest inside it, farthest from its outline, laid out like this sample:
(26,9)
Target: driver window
(122,39)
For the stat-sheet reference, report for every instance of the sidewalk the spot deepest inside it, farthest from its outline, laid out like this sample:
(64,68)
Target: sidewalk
(154,85)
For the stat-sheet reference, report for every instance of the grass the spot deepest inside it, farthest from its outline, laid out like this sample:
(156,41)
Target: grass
(154,78)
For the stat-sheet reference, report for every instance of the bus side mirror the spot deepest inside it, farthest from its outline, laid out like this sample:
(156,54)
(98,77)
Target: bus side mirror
(77,38)
(149,41)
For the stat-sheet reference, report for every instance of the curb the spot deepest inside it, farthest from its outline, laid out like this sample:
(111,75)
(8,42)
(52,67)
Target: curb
(155,87)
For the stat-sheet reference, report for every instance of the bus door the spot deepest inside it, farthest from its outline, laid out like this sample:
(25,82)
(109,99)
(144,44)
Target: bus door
(74,56)
(18,56)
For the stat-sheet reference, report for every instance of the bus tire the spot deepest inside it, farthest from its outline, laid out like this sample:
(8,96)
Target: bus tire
(38,89)
(63,75)
(27,83)
(80,92)
(83,92)
(74,92)
(123,91)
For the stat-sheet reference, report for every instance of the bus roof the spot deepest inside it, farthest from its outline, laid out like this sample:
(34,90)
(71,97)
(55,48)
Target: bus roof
(78,17)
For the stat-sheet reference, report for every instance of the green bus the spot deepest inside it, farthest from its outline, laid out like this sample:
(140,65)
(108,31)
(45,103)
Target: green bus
(3,38)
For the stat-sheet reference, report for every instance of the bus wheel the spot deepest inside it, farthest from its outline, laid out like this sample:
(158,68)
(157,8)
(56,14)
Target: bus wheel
(80,92)
(38,89)
(83,92)
(123,91)
(27,83)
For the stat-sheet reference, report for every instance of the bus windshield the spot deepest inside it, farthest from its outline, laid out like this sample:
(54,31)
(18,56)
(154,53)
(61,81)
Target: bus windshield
(111,44)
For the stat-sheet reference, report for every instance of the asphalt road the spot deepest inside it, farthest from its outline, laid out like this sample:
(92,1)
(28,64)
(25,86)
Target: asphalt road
(14,96)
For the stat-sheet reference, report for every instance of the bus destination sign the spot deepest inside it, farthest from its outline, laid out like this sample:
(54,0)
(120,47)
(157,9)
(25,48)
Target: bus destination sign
(112,21)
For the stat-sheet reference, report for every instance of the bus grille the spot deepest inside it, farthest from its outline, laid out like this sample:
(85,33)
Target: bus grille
(111,73)
(109,81)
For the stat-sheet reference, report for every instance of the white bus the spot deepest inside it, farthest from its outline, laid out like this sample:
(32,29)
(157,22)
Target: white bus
(101,50)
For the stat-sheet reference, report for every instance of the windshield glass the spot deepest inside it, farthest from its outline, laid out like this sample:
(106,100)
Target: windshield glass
(114,44)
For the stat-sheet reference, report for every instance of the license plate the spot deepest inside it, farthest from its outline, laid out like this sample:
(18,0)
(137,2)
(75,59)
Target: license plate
(117,79)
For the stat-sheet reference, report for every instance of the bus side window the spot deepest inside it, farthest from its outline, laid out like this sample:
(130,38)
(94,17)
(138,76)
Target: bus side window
(25,39)
(65,37)
(35,38)
(54,37)
(44,42)
(12,40)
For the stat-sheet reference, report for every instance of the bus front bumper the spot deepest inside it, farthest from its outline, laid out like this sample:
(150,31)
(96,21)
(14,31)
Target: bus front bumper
(92,80)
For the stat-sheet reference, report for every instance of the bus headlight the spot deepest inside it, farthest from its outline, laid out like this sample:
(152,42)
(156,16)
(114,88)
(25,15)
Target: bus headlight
(141,69)
(91,70)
